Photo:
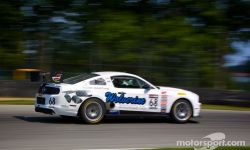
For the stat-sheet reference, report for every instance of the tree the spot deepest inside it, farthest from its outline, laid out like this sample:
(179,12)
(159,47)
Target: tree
(11,54)
(180,42)
(183,41)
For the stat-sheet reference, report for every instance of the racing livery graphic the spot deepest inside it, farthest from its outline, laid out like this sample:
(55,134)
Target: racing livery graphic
(112,97)
(91,96)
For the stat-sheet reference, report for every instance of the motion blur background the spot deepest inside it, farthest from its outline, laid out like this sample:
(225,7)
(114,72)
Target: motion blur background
(183,43)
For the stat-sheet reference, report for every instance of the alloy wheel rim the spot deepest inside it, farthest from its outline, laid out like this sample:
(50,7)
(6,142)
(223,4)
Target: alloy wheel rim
(182,111)
(93,111)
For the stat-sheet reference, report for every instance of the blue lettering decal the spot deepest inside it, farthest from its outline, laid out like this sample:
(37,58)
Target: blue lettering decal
(112,97)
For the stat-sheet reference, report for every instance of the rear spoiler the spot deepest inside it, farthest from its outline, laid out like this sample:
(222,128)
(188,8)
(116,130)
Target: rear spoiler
(56,77)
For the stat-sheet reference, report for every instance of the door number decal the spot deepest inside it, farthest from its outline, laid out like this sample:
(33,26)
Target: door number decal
(153,101)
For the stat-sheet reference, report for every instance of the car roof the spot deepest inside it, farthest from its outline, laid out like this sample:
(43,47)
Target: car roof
(113,73)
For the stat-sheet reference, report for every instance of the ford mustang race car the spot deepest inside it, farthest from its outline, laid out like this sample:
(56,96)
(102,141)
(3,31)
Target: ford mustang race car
(91,96)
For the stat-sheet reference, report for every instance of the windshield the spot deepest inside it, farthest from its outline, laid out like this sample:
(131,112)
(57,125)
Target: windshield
(79,78)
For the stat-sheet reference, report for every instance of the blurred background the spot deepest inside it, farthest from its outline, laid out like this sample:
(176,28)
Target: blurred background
(199,45)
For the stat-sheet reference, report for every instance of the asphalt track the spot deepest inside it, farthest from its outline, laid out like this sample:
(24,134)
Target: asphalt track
(23,129)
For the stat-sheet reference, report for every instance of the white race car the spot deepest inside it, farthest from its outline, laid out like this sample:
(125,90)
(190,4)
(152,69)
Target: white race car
(91,96)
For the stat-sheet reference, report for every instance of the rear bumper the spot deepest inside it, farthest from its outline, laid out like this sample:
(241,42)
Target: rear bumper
(44,110)
(55,104)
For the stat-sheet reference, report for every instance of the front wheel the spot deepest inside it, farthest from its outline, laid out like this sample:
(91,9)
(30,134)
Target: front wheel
(92,111)
(181,111)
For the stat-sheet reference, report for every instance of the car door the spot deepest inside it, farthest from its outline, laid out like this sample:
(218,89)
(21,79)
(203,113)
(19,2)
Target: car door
(132,94)
(152,96)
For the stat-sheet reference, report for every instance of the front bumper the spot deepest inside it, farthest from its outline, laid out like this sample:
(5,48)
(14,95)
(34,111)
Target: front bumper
(197,110)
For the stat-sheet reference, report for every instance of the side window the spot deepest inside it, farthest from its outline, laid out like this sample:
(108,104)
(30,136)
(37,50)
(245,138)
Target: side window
(144,84)
(125,82)
(99,81)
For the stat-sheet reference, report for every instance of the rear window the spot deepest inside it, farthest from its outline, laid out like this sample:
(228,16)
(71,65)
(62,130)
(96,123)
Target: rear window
(99,81)
(79,78)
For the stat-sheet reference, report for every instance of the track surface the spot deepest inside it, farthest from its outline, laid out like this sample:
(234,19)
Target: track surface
(23,129)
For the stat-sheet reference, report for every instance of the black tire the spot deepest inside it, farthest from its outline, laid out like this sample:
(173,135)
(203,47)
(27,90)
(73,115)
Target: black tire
(181,111)
(92,111)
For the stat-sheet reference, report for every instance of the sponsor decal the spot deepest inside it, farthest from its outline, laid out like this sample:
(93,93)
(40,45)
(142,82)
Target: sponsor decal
(181,93)
(164,92)
(114,112)
(163,102)
(112,97)
(96,87)
(133,108)
(153,101)
(164,96)
(163,106)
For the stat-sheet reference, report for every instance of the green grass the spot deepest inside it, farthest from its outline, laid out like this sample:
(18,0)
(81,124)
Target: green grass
(174,149)
(219,148)
(17,102)
(224,107)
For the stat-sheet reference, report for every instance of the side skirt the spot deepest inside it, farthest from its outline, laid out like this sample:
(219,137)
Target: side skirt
(136,114)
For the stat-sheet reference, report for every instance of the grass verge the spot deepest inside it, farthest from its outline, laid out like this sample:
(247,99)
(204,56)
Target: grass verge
(224,107)
(17,102)
(219,148)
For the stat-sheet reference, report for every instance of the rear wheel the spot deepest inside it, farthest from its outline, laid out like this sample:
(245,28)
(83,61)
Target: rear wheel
(181,111)
(92,111)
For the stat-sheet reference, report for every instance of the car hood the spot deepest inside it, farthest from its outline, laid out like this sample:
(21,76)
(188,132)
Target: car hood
(169,88)
(175,90)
